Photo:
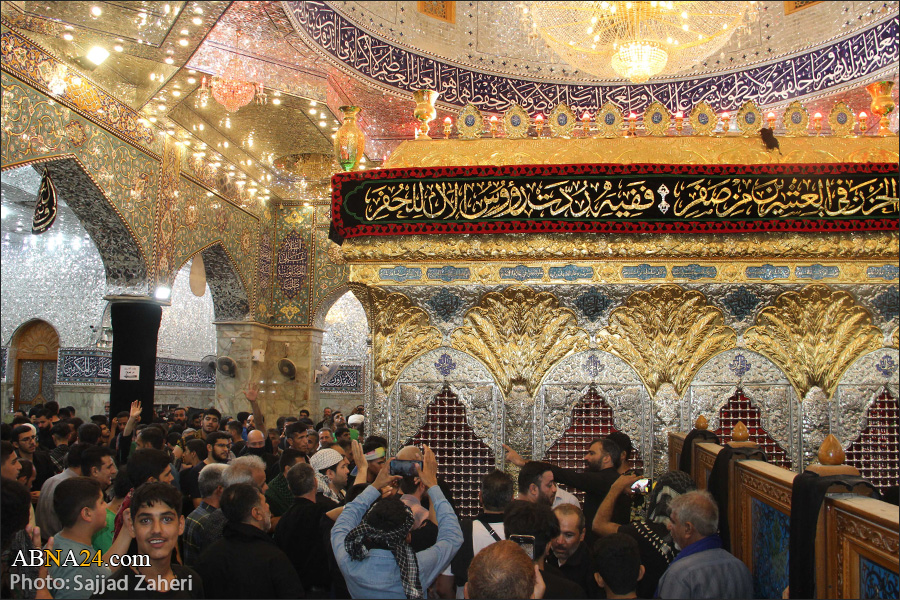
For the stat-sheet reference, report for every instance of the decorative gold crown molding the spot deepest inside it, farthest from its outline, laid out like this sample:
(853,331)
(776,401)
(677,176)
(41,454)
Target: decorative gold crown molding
(703,150)
(814,336)
(666,335)
(519,334)
(870,245)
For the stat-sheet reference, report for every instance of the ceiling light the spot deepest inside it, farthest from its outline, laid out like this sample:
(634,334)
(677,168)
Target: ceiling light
(161,106)
(192,80)
(322,123)
(313,111)
(176,93)
(185,32)
(169,60)
(200,126)
(313,103)
(68,37)
(198,10)
(152,119)
(634,43)
(276,101)
(163,292)
(183,42)
(198,21)
(96,11)
(118,48)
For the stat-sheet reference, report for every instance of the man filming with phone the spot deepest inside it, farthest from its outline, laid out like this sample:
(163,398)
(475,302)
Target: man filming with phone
(372,546)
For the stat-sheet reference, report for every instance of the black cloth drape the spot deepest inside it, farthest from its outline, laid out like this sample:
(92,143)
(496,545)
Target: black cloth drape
(135,330)
(807,495)
(696,435)
(718,482)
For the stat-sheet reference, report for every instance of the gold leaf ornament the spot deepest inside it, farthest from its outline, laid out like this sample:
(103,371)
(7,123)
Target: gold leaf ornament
(519,334)
(666,334)
(814,335)
(401,331)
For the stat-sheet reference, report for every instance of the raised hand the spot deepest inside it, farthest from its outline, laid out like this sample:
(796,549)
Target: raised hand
(135,412)
(428,472)
(251,393)
(384,477)
(513,456)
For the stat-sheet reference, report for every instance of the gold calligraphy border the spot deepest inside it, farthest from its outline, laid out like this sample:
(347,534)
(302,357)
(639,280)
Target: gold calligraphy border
(611,271)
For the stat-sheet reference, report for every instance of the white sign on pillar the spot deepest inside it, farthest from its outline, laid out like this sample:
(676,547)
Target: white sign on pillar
(129,372)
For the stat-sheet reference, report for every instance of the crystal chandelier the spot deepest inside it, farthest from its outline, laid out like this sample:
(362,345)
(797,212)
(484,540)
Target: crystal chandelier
(635,40)
(230,88)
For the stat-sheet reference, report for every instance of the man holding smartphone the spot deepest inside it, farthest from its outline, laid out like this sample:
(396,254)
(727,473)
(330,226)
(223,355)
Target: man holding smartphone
(372,546)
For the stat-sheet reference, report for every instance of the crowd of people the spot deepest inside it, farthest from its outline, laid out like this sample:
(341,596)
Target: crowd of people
(193,504)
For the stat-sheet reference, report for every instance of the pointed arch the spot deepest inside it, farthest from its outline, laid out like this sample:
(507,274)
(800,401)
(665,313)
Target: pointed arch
(231,301)
(124,261)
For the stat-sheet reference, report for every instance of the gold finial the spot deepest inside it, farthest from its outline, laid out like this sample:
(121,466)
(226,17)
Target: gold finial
(830,452)
(701,422)
(740,433)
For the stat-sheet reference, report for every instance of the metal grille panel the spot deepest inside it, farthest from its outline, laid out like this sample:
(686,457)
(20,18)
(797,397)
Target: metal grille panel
(740,408)
(592,418)
(874,452)
(463,459)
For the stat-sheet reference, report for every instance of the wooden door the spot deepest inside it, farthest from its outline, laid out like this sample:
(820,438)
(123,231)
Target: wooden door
(36,349)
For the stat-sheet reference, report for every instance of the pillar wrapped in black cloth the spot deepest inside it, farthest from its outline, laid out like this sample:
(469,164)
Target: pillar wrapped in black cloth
(135,332)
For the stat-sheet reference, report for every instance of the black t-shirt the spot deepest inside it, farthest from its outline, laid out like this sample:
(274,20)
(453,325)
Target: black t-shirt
(579,569)
(656,551)
(558,586)
(190,481)
(125,583)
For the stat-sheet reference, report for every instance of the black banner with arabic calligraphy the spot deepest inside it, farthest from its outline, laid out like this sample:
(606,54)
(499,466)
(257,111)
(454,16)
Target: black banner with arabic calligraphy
(616,198)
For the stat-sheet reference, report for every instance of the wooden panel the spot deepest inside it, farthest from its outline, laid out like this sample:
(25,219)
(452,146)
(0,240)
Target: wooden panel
(38,341)
(676,447)
(702,463)
(862,534)
(761,488)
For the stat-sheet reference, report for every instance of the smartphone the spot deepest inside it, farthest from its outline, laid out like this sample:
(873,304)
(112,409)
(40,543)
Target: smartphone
(526,542)
(641,486)
(405,468)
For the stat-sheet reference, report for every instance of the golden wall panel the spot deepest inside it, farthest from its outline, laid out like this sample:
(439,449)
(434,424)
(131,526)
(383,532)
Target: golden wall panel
(814,336)
(699,150)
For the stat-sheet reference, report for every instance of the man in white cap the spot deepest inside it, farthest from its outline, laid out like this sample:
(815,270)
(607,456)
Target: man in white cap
(331,470)
(356,424)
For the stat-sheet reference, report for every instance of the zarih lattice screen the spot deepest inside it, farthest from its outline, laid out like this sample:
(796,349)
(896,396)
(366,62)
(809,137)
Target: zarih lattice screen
(874,452)
(462,458)
(592,418)
(740,408)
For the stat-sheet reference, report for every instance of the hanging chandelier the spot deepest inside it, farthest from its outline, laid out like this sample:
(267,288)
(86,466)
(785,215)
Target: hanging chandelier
(230,88)
(635,40)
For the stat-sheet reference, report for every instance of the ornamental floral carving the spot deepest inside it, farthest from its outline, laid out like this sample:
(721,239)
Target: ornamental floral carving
(519,334)
(400,332)
(666,334)
(814,336)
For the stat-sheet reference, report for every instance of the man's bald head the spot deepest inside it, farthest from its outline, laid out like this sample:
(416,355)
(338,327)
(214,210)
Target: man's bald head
(501,570)
(256,439)
(410,453)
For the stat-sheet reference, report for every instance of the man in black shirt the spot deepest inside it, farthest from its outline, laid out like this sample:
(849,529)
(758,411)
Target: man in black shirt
(570,554)
(601,470)
(245,562)
(218,444)
(539,524)
(298,534)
